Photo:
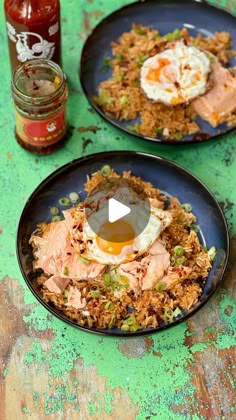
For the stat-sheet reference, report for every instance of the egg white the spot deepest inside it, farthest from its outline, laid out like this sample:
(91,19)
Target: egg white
(176,75)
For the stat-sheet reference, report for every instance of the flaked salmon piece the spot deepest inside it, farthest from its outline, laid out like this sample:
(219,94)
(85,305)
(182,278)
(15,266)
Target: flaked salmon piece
(174,276)
(220,101)
(146,273)
(159,263)
(75,299)
(55,255)
(57,284)
(157,248)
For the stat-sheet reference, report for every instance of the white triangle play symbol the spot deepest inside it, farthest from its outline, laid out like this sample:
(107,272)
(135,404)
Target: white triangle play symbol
(116,210)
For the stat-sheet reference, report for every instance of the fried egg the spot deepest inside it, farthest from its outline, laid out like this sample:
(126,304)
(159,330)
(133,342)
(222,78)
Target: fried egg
(121,241)
(176,75)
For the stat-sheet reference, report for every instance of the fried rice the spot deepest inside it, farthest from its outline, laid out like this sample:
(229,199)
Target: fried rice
(110,302)
(122,98)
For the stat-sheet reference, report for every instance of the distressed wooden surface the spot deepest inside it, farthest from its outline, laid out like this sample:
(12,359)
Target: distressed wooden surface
(49,370)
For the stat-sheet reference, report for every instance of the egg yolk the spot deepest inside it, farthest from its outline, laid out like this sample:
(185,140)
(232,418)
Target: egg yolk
(117,234)
(155,73)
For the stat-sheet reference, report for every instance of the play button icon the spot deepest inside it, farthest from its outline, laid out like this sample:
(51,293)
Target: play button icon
(116,210)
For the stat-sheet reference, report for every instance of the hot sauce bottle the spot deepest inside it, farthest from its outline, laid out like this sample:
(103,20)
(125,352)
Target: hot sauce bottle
(33,29)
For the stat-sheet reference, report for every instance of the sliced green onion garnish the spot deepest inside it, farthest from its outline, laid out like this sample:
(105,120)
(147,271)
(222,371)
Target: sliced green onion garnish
(112,321)
(84,260)
(64,201)
(65,271)
(134,328)
(141,59)
(180,261)
(118,78)
(194,227)
(187,207)
(179,250)
(109,305)
(131,320)
(133,128)
(106,169)
(124,327)
(172,260)
(158,131)
(107,279)
(212,253)
(160,286)
(54,211)
(57,218)
(178,135)
(74,197)
(95,294)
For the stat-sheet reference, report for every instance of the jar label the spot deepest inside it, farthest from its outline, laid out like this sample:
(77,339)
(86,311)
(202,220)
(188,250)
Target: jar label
(41,133)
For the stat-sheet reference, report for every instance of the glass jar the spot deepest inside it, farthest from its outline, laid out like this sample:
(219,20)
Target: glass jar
(33,29)
(40,92)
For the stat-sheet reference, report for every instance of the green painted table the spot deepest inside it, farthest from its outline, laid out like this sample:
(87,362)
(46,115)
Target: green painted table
(53,371)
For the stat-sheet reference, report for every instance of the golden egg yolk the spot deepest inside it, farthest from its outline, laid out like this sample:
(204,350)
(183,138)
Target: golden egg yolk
(117,234)
(155,73)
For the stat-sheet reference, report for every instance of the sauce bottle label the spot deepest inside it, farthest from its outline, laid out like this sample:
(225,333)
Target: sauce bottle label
(41,133)
(31,45)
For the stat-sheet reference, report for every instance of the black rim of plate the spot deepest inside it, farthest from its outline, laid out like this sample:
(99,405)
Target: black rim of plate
(95,157)
(199,137)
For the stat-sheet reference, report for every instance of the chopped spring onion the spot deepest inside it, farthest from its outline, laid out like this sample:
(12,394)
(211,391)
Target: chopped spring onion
(133,128)
(124,100)
(119,58)
(178,136)
(159,131)
(74,197)
(54,211)
(160,287)
(179,250)
(107,279)
(84,260)
(130,324)
(65,271)
(131,320)
(194,227)
(212,253)
(109,305)
(112,321)
(187,207)
(169,314)
(57,218)
(107,64)
(141,59)
(134,328)
(172,260)
(64,201)
(103,98)
(118,77)
(173,35)
(124,327)
(180,261)
(95,294)
(106,169)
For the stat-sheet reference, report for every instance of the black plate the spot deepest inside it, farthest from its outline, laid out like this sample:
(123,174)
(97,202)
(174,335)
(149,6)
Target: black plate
(164,15)
(164,174)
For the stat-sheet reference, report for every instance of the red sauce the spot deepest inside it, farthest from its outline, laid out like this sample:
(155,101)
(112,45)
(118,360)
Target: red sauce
(33,28)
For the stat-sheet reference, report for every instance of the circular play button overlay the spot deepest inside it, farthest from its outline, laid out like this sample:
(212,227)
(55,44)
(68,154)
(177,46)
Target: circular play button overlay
(118,211)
